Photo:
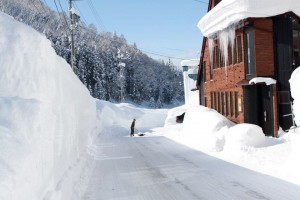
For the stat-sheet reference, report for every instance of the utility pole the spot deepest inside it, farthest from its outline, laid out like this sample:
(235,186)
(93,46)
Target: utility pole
(72,35)
(74,19)
(122,78)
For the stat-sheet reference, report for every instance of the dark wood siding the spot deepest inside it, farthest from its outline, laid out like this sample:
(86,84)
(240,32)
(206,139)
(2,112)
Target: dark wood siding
(283,30)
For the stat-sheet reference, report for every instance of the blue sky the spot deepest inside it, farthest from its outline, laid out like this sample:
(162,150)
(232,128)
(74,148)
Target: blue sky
(165,27)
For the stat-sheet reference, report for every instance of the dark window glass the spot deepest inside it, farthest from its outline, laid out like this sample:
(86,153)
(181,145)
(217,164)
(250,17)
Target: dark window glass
(211,100)
(204,71)
(223,104)
(227,104)
(239,46)
(234,53)
(229,55)
(219,102)
(215,101)
(236,103)
(231,104)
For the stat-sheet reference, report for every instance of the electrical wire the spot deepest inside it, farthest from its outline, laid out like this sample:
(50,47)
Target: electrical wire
(81,14)
(65,27)
(96,15)
(63,13)
(161,55)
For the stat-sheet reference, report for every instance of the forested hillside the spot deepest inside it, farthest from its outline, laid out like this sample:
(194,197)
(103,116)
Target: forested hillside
(98,58)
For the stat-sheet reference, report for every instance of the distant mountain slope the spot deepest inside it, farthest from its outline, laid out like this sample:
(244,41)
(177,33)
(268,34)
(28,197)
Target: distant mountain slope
(98,56)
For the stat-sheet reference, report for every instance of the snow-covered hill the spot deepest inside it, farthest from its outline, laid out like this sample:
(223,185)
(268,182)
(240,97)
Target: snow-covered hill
(46,116)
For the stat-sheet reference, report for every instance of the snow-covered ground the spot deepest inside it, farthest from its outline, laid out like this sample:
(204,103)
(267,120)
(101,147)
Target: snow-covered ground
(49,125)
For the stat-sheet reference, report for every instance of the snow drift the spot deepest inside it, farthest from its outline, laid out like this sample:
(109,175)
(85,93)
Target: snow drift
(46,116)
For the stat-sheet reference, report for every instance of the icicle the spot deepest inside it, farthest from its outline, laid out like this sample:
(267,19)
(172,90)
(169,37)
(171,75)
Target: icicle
(223,44)
(231,35)
(211,46)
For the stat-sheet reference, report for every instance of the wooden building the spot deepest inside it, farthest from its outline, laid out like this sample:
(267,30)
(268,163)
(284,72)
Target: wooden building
(265,47)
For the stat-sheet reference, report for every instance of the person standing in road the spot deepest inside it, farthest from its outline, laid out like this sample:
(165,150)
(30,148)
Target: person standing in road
(132,128)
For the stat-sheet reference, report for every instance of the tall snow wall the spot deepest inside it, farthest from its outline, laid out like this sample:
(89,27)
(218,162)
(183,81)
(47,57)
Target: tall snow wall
(46,116)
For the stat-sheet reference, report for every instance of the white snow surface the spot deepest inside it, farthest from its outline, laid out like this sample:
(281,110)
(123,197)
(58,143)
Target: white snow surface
(229,12)
(295,83)
(267,81)
(49,122)
(46,117)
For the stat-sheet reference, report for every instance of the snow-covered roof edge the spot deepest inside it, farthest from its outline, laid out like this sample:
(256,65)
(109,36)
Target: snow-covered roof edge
(191,62)
(268,81)
(229,12)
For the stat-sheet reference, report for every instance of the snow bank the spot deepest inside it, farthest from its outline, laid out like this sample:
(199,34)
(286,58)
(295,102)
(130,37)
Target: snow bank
(230,12)
(244,135)
(122,115)
(46,117)
(203,126)
(294,83)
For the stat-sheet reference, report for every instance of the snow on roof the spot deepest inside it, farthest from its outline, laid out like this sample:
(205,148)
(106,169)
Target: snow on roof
(230,12)
(268,81)
(191,62)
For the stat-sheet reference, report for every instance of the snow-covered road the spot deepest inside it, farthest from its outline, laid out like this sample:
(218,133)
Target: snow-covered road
(158,168)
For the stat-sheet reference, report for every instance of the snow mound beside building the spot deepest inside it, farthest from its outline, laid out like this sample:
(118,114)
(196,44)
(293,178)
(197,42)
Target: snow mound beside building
(244,135)
(295,83)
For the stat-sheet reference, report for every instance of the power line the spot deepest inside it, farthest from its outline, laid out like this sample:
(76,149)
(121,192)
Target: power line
(63,13)
(81,14)
(161,55)
(60,16)
(201,2)
(96,15)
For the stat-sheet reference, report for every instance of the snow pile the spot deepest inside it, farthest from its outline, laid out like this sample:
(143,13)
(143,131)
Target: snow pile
(295,82)
(244,135)
(230,12)
(122,115)
(203,126)
(46,117)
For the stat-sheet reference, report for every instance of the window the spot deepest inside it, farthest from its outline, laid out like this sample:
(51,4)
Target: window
(234,53)
(249,51)
(296,43)
(227,104)
(219,102)
(229,55)
(239,49)
(204,71)
(205,101)
(231,104)
(236,103)
(223,104)
(211,100)
(211,72)
(215,101)
(248,54)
